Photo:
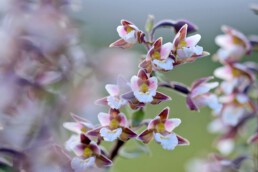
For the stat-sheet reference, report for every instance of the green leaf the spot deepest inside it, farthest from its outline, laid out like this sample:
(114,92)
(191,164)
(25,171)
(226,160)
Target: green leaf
(149,23)
(137,117)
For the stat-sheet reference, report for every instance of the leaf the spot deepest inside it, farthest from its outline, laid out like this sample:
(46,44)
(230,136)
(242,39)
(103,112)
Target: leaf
(149,23)
(137,117)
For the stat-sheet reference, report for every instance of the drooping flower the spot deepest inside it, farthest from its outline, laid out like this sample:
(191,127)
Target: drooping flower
(129,34)
(144,91)
(161,129)
(235,106)
(158,57)
(199,95)
(115,99)
(185,48)
(234,45)
(114,125)
(88,154)
(236,77)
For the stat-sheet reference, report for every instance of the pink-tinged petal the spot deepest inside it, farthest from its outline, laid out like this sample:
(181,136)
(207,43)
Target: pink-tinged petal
(190,104)
(142,75)
(224,73)
(164,114)
(159,97)
(102,101)
(182,141)
(94,148)
(253,139)
(78,118)
(201,81)
(171,124)
(193,40)
(152,124)
(73,141)
(134,83)
(121,31)
(224,41)
(146,136)
(168,142)
(203,88)
(127,134)
(126,22)
(165,50)
(103,161)
(153,83)
(104,119)
(121,44)
(112,90)
(78,149)
(94,132)
(73,126)
(123,120)
(110,135)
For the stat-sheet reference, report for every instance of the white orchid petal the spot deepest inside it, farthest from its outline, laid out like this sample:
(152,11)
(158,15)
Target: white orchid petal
(110,135)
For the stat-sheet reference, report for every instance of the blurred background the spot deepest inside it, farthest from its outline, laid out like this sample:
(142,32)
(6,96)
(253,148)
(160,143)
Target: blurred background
(95,23)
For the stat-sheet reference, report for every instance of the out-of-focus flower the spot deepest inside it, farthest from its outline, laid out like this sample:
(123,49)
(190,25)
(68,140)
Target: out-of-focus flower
(88,154)
(161,129)
(158,57)
(129,34)
(185,48)
(235,107)
(234,45)
(114,125)
(114,100)
(144,91)
(237,77)
(199,95)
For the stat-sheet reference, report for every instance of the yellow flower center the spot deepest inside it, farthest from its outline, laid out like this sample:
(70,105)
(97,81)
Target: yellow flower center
(160,127)
(83,130)
(238,41)
(114,123)
(144,88)
(129,29)
(236,72)
(182,44)
(156,55)
(87,152)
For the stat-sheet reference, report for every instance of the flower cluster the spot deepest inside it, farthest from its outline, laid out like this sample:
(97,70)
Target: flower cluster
(142,89)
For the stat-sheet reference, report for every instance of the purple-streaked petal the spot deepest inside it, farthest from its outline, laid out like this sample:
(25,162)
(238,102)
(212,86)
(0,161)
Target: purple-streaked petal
(171,124)
(190,104)
(103,161)
(142,75)
(200,81)
(153,83)
(164,114)
(181,35)
(104,119)
(127,134)
(146,136)
(112,90)
(168,142)
(94,132)
(160,97)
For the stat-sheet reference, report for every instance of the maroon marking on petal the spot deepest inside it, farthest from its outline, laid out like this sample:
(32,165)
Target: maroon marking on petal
(182,141)
(127,134)
(126,22)
(102,101)
(114,112)
(147,65)
(142,74)
(164,114)
(190,104)
(157,44)
(103,161)
(146,136)
(94,132)
(253,139)
(159,97)
(121,44)
(85,139)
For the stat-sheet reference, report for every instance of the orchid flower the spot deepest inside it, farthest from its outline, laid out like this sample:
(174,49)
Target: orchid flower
(161,129)
(158,57)
(88,154)
(144,91)
(185,48)
(199,95)
(129,34)
(115,99)
(234,45)
(114,125)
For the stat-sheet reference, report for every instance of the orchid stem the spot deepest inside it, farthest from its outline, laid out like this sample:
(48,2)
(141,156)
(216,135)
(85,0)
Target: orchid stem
(115,149)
